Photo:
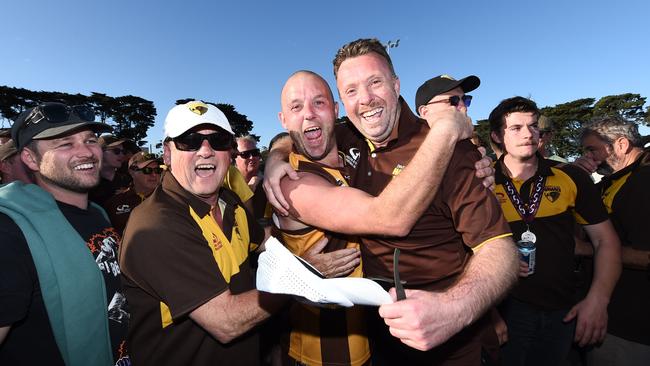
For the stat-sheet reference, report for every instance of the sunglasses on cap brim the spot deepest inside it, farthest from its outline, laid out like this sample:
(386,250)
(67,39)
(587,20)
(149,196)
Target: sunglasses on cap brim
(59,113)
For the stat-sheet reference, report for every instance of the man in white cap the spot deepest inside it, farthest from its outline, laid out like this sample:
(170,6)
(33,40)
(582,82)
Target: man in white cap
(185,254)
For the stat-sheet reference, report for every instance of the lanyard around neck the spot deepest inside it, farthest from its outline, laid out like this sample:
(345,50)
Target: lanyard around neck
(526,211)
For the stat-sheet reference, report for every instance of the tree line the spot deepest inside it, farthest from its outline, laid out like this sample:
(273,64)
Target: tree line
(568,118)
(129,116)
(132,116)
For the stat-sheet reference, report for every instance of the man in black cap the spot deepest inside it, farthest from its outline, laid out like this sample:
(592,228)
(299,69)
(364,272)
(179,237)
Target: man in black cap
(145,171)
(59,277)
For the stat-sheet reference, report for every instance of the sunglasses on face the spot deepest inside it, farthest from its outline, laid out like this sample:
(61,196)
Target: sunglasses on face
(249,153)
(219,141)
(454,100)
(117,151)
(147,170)
(59,113)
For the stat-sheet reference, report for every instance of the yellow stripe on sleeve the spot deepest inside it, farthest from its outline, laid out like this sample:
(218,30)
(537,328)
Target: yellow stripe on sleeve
(478,247)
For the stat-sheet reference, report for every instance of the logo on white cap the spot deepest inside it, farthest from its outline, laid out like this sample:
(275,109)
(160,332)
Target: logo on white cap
(197,107)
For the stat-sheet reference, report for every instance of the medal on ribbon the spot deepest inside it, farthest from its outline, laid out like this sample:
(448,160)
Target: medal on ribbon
(528,211)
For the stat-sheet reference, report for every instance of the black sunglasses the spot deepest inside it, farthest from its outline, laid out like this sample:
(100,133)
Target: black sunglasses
(147,170)
(117,151)
(219,141)
(454,100)
(59,113)
(248,153)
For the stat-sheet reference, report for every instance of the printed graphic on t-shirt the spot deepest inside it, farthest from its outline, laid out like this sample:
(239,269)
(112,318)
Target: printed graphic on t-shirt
(104,247)
(117,308)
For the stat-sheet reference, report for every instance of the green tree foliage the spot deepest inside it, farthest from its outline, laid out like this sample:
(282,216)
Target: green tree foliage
(130,116)
(628,106)
(482,130)
(239,123)
(133,117)
(568,118)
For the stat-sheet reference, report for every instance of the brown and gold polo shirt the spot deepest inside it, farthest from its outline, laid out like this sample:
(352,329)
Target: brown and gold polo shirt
(174,258)
(568,196)
(462,216)
(324,336)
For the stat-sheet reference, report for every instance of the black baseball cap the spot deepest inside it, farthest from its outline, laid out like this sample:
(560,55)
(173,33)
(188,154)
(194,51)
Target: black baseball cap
(49,120)
(442,84)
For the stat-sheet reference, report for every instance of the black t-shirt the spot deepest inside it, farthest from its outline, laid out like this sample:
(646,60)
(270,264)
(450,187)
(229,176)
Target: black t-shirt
(105,190)
(30,340)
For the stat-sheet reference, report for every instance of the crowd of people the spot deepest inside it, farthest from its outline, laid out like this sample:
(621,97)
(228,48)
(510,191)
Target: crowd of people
(114,256)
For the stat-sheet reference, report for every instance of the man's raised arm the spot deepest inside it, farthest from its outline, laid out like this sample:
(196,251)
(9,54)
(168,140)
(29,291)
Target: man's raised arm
(394,212)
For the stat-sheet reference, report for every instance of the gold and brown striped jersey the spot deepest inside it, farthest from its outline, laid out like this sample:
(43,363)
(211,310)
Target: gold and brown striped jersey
(320,335)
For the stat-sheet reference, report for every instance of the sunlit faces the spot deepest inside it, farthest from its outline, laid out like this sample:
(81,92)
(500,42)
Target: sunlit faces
(370,94)
(520,135)
(71,162)
(249,166)
(199,172)
(145,183)
(308,113)
(601,152)
(114,156)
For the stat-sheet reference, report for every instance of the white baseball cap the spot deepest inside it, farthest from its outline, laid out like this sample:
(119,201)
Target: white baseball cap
(183,117)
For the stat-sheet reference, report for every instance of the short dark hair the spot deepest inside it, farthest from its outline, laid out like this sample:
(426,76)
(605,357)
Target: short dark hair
(277,137)
(498,115)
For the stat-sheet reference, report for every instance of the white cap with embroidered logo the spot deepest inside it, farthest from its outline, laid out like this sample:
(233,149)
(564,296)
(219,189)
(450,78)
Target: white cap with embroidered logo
(184,117)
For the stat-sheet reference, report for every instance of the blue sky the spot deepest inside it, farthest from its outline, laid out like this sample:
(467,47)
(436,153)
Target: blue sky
(241,52)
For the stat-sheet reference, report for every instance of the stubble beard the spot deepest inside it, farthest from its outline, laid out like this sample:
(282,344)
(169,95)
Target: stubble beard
(64,178)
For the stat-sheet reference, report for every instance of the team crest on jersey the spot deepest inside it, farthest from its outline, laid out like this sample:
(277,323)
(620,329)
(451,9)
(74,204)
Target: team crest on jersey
(122,209)
(398,169)
(552,193)
(352,157)
(216,243)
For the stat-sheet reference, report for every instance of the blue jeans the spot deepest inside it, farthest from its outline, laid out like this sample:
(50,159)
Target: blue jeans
(535,336)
